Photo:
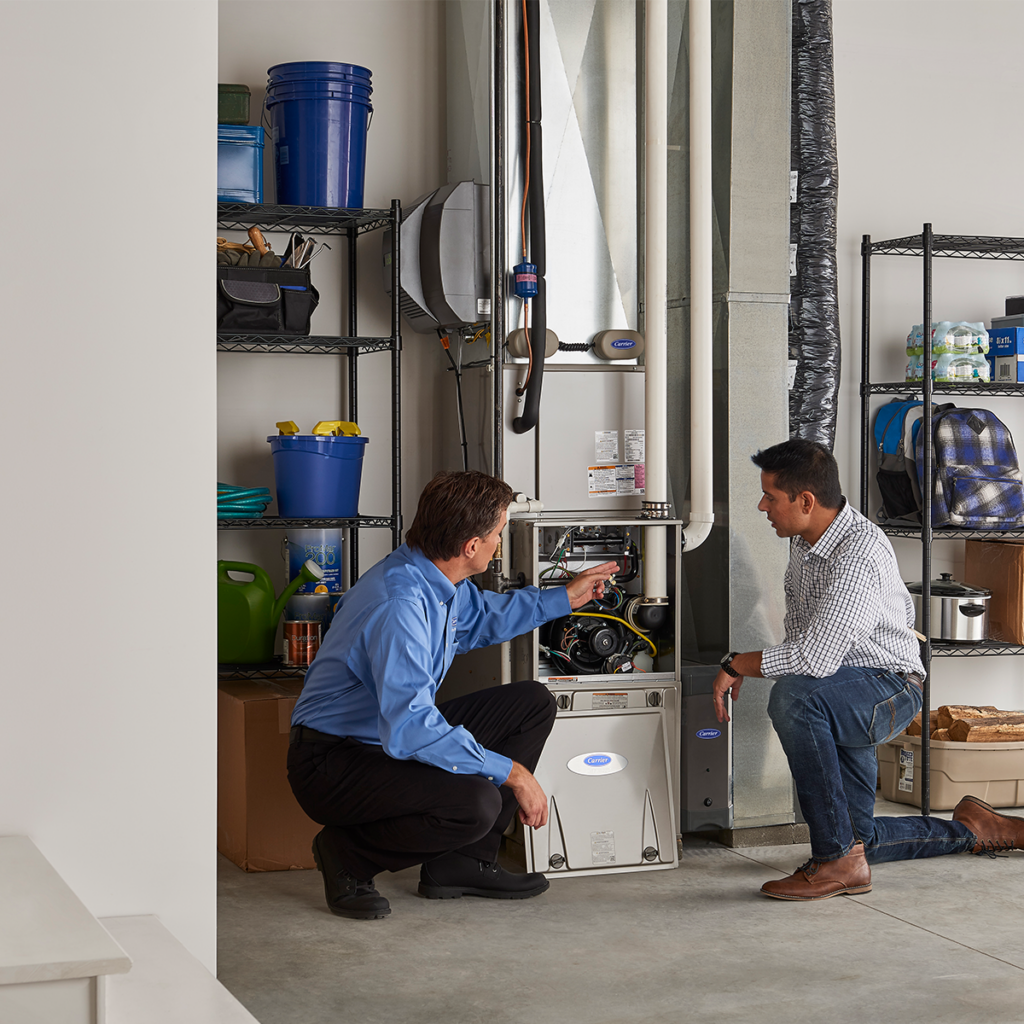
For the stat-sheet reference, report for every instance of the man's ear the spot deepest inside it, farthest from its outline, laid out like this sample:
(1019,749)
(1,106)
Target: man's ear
(469,549)
(808,502)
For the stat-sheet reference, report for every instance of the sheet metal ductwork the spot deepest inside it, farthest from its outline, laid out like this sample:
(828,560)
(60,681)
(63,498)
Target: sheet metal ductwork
(814,308)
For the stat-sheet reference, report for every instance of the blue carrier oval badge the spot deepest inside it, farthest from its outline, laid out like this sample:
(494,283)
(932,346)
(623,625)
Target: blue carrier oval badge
(708,734)
(598,762)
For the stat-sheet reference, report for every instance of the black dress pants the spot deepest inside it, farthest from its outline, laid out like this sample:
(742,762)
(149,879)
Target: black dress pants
(381,814)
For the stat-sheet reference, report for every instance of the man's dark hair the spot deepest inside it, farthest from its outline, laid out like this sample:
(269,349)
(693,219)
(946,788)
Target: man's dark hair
(799,465)
(455,508)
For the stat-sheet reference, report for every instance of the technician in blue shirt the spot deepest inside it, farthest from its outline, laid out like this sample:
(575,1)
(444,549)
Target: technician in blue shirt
(394,779)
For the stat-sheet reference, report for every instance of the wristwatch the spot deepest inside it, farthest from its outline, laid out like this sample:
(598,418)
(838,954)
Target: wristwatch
(726,664)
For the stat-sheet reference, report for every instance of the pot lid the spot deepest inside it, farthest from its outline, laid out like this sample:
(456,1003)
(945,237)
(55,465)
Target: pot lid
(946,586)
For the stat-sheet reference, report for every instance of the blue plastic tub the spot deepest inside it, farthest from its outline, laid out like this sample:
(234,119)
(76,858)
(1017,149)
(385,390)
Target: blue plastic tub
(319,116)
(239,163)
(317,477)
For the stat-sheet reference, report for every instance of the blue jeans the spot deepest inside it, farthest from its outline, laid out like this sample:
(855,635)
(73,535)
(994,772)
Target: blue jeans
(829,729)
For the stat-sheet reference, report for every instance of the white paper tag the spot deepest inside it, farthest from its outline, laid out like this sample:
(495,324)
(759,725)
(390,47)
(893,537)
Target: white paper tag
(606,445)
(792,259)
(635,446)
(602,847)
(906,781)
(793,177)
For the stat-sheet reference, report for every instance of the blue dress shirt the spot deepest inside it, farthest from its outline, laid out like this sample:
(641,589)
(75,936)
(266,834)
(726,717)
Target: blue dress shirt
(392,640)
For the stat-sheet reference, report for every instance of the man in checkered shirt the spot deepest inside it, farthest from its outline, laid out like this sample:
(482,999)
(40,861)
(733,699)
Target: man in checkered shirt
(848,677)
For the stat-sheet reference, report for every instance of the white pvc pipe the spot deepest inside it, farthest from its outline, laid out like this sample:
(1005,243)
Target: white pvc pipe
(656,290)
(702,514)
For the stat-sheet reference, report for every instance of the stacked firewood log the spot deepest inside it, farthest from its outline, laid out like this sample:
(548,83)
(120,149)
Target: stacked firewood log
(969,723)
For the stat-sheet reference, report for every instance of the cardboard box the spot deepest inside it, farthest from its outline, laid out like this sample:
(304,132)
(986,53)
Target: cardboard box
(260,826)
(993,772)
(1006,354)
(999,566)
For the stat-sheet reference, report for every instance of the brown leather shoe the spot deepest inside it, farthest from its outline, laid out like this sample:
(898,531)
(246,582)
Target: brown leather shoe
(818,880)
(994,831)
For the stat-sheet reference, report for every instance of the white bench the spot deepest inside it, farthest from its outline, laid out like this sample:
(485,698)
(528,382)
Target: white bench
(53,952)
(60,965)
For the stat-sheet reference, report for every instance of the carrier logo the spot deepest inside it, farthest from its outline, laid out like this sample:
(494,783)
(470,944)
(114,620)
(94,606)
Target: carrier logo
(624,343)
(597,762)
(708,734)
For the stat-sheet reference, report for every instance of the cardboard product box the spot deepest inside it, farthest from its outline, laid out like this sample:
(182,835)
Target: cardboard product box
(993,772)
(1006,355)
(260,826)
(999,566)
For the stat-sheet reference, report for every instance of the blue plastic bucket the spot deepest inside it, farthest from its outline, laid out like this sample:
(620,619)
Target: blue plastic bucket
(317,477)
(319,116)
(239,163)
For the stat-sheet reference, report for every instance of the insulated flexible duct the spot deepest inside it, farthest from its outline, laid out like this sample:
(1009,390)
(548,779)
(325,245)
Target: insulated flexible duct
(814,304)
(538,327)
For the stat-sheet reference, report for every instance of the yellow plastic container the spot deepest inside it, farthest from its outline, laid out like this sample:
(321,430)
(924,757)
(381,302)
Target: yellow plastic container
(993,772)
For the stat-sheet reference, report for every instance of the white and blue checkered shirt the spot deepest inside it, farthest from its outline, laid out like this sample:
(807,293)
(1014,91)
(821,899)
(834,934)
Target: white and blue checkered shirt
(846,605)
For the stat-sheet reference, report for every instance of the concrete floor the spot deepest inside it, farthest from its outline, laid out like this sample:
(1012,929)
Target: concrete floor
(935,940)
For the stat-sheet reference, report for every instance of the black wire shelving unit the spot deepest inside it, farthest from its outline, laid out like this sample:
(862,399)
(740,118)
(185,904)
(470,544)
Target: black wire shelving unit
(927,246)
(350,224)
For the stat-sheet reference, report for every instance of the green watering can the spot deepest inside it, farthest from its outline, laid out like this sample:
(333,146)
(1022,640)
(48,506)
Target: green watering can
(247,613)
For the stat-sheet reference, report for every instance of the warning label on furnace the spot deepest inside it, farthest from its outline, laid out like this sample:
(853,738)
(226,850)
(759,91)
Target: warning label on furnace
(602,847)
(611,481)
(606,446)
(609,700)
(635,447)
(906,781)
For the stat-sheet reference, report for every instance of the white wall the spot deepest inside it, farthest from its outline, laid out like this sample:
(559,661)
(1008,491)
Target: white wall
(927,109)
(402,43)
(108,694)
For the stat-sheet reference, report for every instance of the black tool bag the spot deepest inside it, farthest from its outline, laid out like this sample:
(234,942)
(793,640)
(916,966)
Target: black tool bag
(261,300)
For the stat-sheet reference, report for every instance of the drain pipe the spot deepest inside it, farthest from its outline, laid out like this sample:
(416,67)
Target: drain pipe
(653,609)
(702,514)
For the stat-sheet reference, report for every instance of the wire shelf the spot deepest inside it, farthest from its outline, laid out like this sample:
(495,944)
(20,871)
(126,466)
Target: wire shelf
(270,670)
(975,247)
(277,523)
(304,219)
(945,533)
(943,388)
(991,648)
(303,345)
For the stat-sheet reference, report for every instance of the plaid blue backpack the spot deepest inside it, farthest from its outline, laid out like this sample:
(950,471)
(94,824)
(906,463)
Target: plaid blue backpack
(977,478)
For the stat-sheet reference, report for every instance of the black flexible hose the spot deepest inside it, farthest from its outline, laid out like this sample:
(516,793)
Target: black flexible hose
(539,327)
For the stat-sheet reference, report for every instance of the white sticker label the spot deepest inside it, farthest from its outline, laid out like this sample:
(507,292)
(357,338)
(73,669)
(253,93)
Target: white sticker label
(793,177)
(282,154)
(791,374)
(610,700)
(792,259)
(635,446)
(906,781)
(602,847)
(613,481)
(483,307)
(606,445)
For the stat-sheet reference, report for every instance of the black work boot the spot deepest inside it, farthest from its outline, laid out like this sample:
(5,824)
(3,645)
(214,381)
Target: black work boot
(346,895)
(455,875)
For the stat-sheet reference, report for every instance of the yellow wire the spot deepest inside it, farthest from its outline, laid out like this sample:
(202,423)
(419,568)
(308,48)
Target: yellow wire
(615,618)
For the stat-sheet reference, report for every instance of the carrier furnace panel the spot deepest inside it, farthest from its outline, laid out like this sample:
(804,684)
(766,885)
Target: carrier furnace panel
(611,765)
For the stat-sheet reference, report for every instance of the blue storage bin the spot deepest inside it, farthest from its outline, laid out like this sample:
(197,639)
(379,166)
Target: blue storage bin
(239,163)
(317,477)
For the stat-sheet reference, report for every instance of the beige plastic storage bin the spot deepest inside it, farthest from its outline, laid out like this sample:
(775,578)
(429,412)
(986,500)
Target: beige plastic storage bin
(993,772)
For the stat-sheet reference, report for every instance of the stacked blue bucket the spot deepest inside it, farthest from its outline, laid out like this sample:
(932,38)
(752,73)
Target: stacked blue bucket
(319,117)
